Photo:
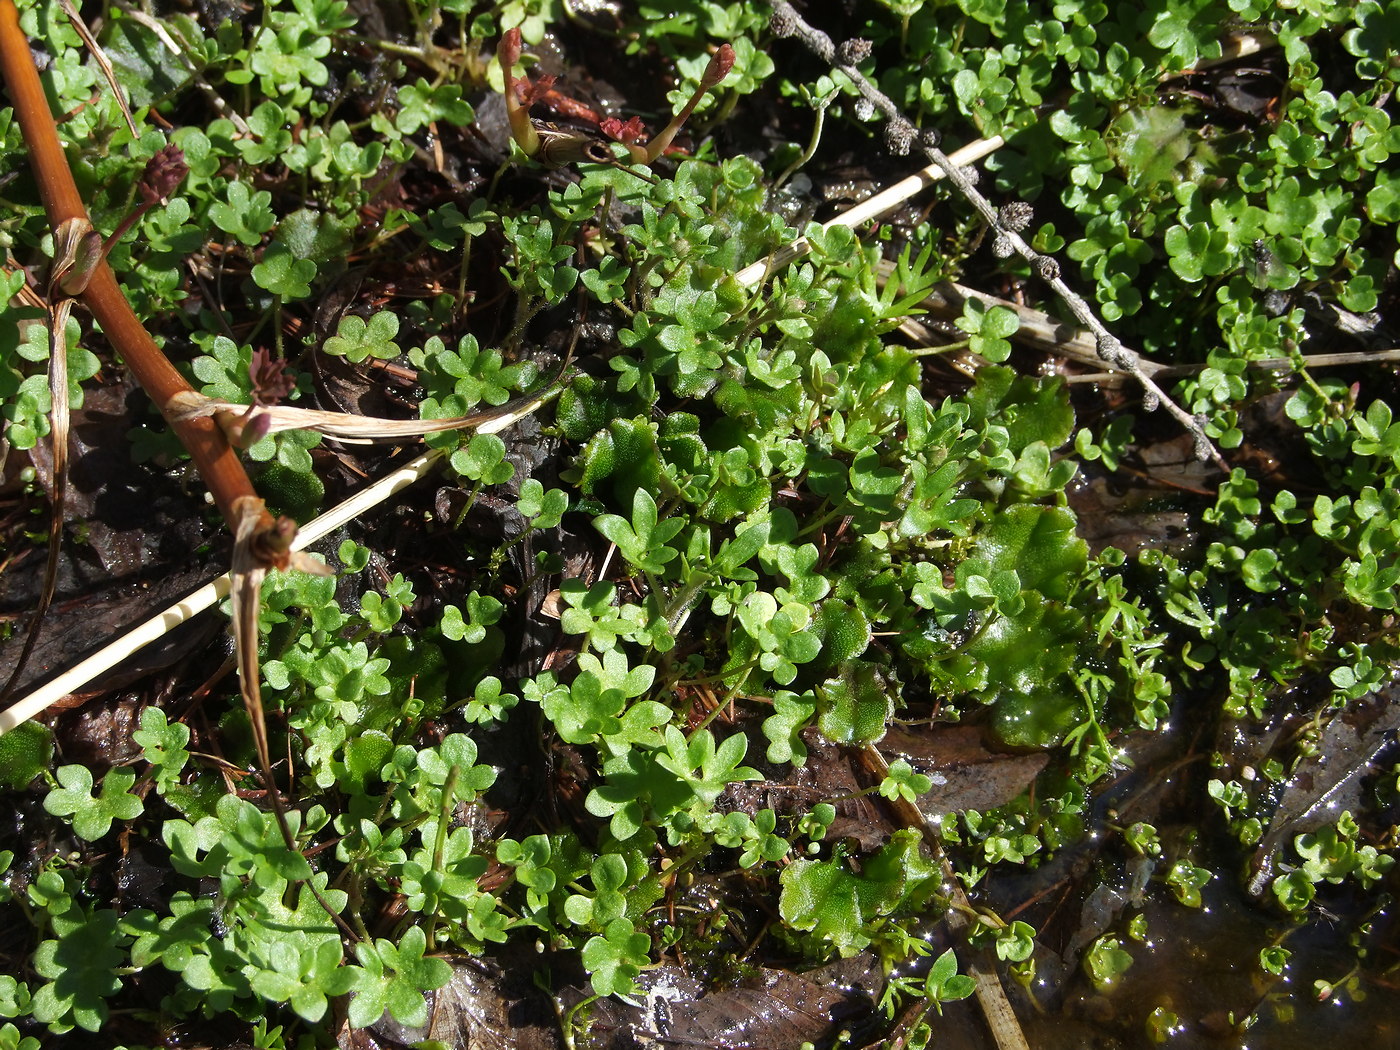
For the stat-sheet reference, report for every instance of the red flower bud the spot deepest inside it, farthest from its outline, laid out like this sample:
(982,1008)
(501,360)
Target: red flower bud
(164,172)
(629,132)
(531,92)
(508,50)
(720,64)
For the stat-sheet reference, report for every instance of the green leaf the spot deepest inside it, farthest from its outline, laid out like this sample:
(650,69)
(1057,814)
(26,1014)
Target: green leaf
(1038,543)
(25,752)
(903,782)
(163,745)
(357,340)
(988,329)
(420,104)
(839,906)
(614,959)
(642,540)
(243,213)
(93,817)
(1106,961)
(483,459)
(81,970)
(944,984)
(283,274)
(856,705)
(393,978)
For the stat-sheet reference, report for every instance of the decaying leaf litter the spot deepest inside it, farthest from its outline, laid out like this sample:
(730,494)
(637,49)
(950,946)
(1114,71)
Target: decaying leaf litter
(868,824)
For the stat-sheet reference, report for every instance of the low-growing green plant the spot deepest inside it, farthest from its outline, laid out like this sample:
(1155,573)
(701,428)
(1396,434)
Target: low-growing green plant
(808,534)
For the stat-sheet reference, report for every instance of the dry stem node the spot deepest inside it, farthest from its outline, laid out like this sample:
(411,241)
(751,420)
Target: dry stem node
(1016,216)
(899,137)
(213,457)
(853,51)
(77,251)
(1111,350)
(782,22)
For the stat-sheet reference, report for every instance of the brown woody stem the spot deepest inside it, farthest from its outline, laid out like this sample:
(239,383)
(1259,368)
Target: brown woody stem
(216,461)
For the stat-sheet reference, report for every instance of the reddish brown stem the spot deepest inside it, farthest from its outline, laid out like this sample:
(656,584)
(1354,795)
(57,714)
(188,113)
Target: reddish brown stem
(215,459)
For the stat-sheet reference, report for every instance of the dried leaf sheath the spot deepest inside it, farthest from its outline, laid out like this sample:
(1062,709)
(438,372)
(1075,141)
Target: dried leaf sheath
(246,598)
(255,551)
(58,436)
(344,426)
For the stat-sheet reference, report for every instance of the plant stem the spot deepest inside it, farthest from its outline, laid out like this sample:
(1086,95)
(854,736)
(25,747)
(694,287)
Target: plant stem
(214,458)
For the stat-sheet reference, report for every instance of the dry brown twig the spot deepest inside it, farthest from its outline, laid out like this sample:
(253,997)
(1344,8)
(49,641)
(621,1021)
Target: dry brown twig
(83,274)
(1044,332)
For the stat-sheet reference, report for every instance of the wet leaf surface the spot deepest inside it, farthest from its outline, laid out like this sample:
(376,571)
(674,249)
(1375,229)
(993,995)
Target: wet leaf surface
(136,541)
(770,1010)
(1330,781)
(965,774)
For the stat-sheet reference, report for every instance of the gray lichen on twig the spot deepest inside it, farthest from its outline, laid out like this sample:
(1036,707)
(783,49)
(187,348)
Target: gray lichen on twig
(901,136)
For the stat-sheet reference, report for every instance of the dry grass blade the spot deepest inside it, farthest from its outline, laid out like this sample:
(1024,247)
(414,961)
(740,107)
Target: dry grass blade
(58,436)
(1052,335)
(239,420)
(246,592)
(343,426)
(181,52)
(247,575)
(881,204)
(1036,327)
(103,62)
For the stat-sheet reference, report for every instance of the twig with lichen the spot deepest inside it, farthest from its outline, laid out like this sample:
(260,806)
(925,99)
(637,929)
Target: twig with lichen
(1007,222)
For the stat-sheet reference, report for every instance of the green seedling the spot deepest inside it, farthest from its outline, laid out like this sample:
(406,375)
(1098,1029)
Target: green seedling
(92,817)
(821,530)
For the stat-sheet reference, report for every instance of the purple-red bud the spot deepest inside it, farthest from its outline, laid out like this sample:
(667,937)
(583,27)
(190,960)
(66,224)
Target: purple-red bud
(164,172)
(720,64)
(508,50)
